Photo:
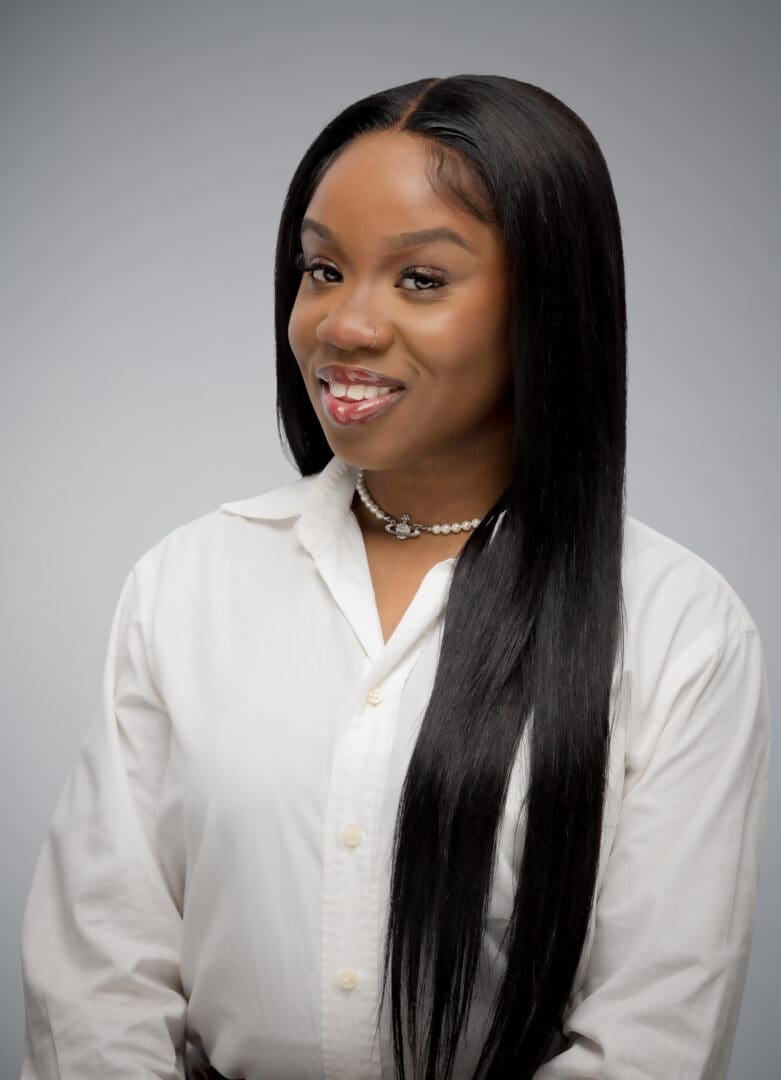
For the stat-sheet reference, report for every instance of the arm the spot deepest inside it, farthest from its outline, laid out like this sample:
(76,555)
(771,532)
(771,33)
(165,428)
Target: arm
(102,928)
(675,914)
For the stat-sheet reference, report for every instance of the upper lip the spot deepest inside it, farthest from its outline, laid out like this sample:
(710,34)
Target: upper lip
(347,375)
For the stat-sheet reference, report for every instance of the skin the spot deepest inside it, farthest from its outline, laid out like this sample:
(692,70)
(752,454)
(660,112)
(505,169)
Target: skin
(442,453)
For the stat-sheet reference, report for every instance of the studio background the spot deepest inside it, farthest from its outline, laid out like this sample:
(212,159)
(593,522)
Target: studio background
(146,148)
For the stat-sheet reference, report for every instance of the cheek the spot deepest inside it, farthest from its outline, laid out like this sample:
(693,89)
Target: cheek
(467,337)
(469,366)
(299,330)
(439,338)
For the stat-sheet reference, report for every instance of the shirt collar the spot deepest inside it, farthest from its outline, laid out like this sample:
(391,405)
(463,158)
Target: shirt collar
(320,497)
(327,494)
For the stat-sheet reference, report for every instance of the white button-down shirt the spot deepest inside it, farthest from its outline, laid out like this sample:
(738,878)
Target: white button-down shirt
(216,867)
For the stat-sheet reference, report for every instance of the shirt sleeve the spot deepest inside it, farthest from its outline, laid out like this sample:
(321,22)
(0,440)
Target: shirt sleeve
(102,928)
(674,918)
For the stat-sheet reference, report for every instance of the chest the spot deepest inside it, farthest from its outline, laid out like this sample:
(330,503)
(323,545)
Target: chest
(396,577)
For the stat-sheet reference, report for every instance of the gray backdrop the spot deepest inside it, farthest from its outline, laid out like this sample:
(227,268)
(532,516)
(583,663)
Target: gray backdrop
(145,152)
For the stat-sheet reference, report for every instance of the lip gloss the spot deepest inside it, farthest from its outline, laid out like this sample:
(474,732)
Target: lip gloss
(344,411)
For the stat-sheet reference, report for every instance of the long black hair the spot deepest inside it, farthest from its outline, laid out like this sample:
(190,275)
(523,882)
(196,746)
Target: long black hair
(534,620)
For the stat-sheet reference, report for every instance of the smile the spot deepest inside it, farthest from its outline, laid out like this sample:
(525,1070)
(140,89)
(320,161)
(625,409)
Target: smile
(354,405)
(357,391)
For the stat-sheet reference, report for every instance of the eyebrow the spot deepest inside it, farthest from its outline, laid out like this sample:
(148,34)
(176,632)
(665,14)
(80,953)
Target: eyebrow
(399,240)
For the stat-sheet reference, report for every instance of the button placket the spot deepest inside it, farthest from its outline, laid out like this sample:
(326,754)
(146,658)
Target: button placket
(349,922)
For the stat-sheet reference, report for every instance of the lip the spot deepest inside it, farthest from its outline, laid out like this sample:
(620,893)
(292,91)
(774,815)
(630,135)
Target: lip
(345,413)
(351,375)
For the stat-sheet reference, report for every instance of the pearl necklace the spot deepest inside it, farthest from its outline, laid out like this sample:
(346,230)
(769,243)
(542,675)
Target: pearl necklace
(403,530)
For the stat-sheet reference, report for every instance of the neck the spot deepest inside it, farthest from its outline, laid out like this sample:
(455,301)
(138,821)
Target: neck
(433,493)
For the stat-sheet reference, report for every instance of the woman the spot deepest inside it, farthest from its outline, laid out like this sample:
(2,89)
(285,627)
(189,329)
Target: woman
(435,762)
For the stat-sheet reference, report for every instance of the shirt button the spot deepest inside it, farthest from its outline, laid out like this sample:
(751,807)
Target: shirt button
(351,835)
(348,979)
(375,696)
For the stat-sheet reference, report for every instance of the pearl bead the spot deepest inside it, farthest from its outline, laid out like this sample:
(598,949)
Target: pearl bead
(439,530)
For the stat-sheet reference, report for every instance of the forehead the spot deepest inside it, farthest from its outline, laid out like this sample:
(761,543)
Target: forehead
(379,184)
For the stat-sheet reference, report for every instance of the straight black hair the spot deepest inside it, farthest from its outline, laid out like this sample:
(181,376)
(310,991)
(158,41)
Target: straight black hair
(534,620)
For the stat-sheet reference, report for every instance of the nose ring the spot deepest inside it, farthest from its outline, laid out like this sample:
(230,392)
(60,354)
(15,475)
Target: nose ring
(376,332)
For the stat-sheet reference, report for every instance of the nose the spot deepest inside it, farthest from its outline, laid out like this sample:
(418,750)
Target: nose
(348,330)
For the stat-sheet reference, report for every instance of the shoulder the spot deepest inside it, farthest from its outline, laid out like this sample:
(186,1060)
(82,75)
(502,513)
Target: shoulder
(224,537)
(669,588)
(686,629)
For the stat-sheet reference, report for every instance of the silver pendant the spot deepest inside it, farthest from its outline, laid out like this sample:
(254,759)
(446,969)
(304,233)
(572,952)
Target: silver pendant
(402,530)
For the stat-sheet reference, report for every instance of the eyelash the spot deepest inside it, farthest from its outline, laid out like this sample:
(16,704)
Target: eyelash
(436,280)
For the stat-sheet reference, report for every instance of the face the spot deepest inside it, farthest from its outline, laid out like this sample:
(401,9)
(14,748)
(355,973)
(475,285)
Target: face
(441,310)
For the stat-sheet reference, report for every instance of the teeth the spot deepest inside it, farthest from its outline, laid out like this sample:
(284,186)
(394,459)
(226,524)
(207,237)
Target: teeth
(357,392)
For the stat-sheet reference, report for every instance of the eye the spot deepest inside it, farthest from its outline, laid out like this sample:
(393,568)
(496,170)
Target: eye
(430,281)
(422,275)
(312,268)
